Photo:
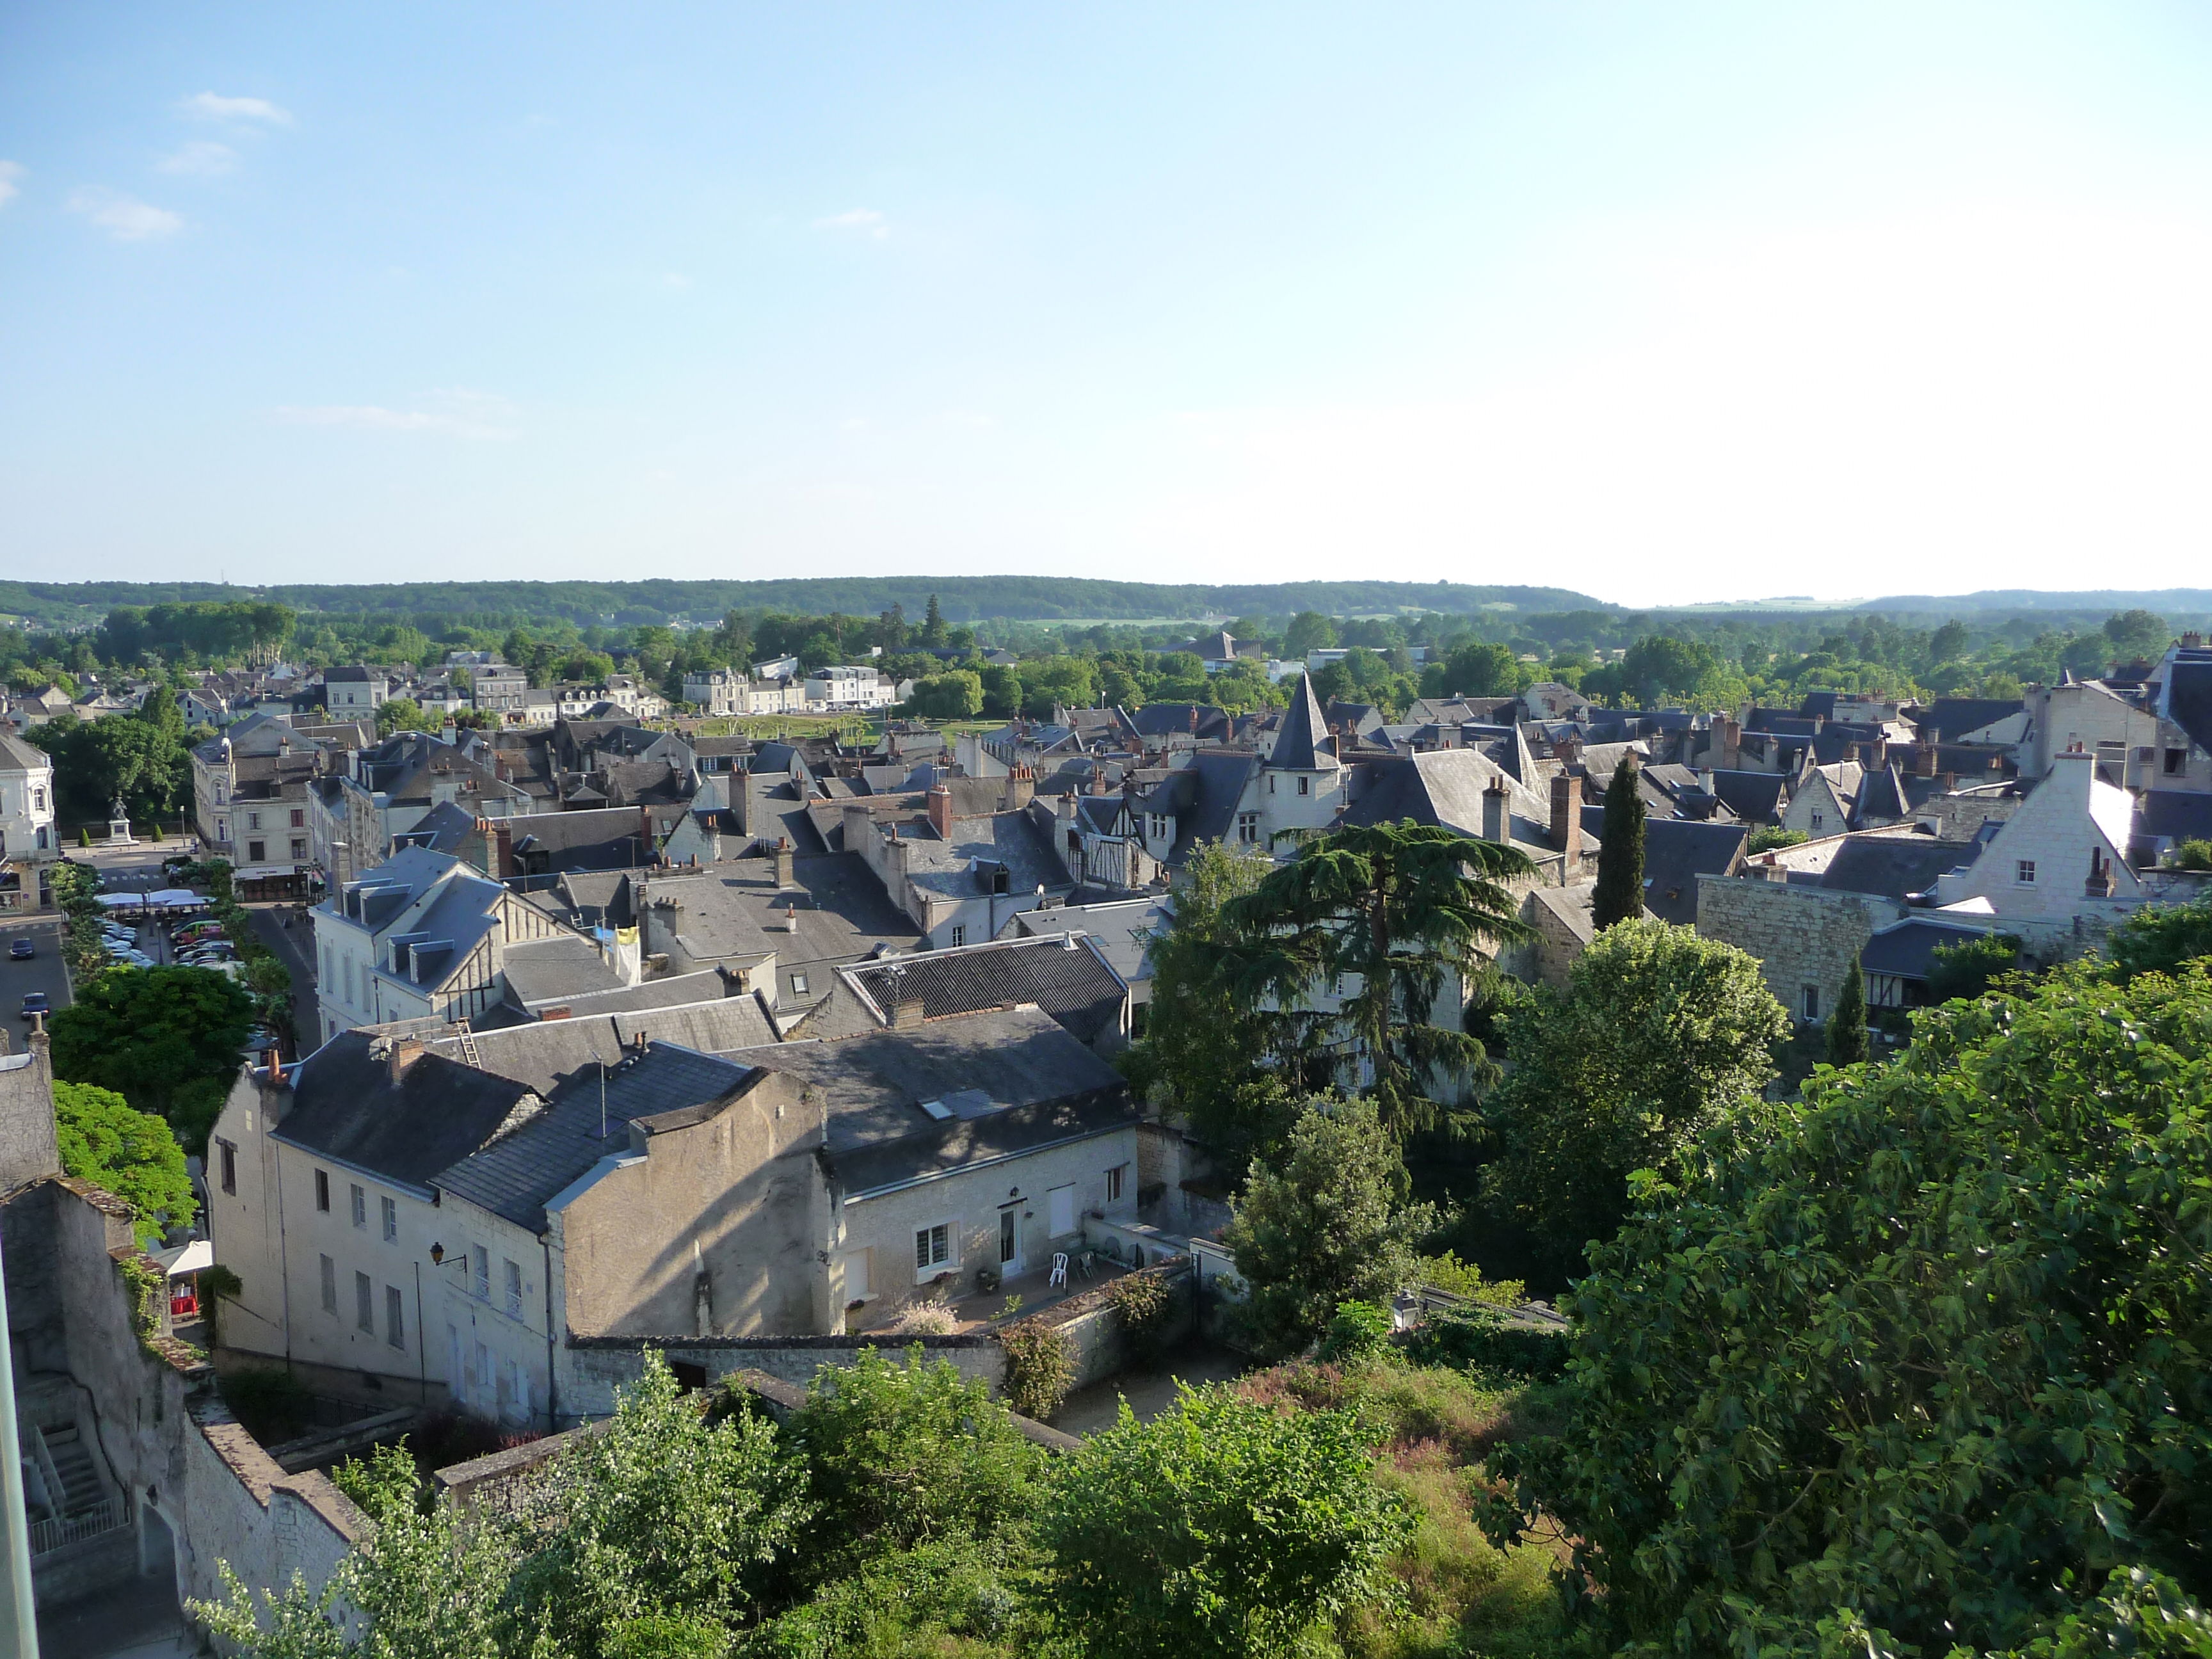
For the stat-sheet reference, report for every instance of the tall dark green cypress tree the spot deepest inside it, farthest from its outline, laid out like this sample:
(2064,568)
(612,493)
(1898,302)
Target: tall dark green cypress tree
(1847,1026)
(1619,896)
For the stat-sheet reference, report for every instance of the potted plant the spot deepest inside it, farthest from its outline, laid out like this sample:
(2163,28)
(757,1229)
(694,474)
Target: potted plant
(987,1281)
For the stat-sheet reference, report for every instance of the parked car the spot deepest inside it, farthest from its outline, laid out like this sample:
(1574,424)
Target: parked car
(22,948)
(35,1002)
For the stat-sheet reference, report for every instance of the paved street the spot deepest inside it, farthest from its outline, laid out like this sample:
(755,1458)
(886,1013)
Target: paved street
(292,937)
(44,972)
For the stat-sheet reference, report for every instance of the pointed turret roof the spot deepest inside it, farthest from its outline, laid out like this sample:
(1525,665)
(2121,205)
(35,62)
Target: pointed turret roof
(1302,745)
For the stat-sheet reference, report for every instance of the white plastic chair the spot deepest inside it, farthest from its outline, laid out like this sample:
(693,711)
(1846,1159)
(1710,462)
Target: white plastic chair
(1059,1270)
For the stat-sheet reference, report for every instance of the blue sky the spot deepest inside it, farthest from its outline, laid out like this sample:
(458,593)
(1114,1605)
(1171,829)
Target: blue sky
(1680,302)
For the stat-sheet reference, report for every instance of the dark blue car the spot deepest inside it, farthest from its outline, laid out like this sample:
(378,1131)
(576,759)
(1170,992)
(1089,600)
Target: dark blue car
(35,1002)
(23,948)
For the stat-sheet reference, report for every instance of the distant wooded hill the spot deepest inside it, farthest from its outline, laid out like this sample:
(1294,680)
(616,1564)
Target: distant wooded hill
(972,599)
(963,599)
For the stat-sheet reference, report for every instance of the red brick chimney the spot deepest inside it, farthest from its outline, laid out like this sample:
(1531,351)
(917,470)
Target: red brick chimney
(941,811)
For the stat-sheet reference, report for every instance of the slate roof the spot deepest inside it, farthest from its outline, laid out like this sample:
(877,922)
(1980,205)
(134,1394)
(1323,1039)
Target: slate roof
(16,756)
(346,1108)
(1446,786)
(1676,852)
(1755,797)
(540,1054)
(444,829)
(1894,866)
(542,970)
(1948,717)
(607,838)
(2173,814)
(1078,987)
(1300,745)
(586,1119)
(1907,949)
(651,995)
(1881,795)
(2189,694)
(1117,927)
(734,910)
(1031,1085)
(1199,721)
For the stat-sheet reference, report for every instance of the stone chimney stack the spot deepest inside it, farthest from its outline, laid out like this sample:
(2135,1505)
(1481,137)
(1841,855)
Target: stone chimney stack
(786,864)
(1731,755)
(1496,811)
(1567,822)
(1021,786)
(941,811)
(2193,640)
(1924,758)
(907,1014)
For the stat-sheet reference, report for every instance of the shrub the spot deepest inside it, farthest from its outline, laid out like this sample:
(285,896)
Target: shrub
(1040,1367)
(1480,1342)
(899,1452)
(1147,1308)
(1276,1526)
(1402,1405)
(1359,1329)
(1773,837)
(926,1319)
(1448,1272)
(2194,853)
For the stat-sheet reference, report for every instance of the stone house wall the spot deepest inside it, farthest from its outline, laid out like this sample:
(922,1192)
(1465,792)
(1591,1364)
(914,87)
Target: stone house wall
(1804,937)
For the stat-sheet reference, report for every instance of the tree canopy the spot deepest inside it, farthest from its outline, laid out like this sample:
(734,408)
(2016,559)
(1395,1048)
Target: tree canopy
(1323,1224)
(1348,953)
(1921,1366)
(168,1040)
(130,1153)
(1659,1035)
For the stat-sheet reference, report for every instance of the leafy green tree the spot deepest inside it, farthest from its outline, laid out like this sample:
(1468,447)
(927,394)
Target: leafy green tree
(1656,667)
(1204,1049)
(132,1154)
(957,696)
(1847,1025)
(401,714)
(1619,895)
(1482,668)
(433,1583)
(900,1454)
(664,1513)
(1347,952)
(1948,641)
(2133,635)
(932,625)
(166,1039)
(1309,631)
(1659,1036)
(1002,692)
(1928,1351)
(1323,1224)
(2159,938)
(1219,1528)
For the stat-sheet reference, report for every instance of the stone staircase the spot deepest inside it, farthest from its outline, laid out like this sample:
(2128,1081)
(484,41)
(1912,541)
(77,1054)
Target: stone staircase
(72,1460)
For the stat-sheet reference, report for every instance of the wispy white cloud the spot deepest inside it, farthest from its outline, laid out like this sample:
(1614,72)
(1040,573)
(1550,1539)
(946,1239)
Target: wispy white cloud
(214,106)
(459,414)
(201,159)
(125,218)
(865,222)
(9,172)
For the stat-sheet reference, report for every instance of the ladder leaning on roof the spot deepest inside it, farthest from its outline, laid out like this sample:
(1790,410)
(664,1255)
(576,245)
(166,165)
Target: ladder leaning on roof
(468,1045)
